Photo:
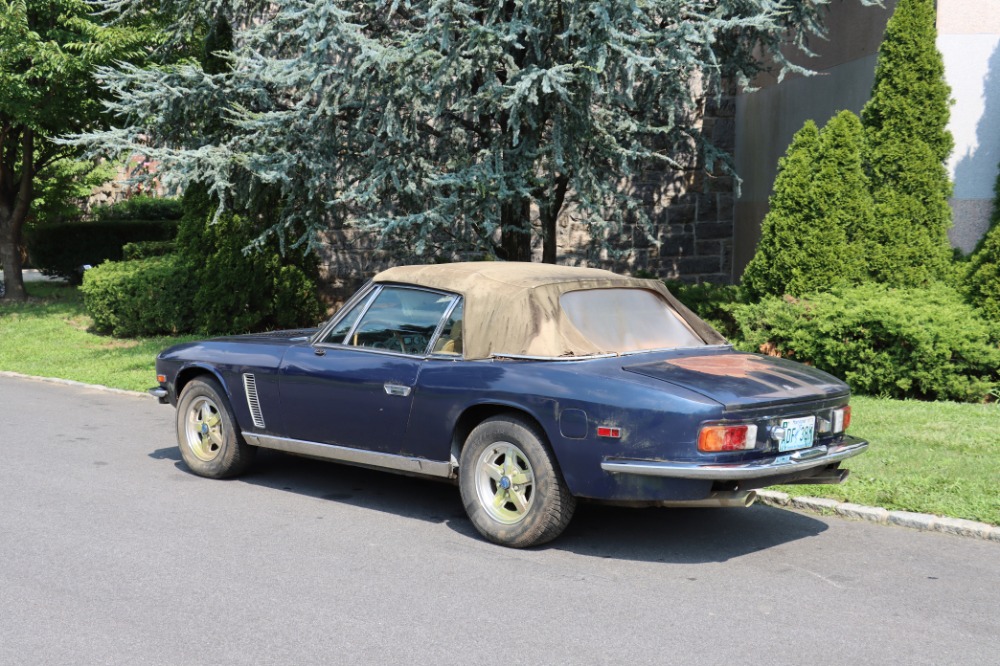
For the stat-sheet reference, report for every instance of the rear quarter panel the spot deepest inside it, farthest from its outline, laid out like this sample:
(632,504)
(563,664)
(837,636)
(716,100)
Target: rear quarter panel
(657,420)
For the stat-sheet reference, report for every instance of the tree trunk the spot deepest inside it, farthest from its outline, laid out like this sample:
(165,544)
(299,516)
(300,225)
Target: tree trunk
(549,213)
(515,234)
(10,257)
(15,202)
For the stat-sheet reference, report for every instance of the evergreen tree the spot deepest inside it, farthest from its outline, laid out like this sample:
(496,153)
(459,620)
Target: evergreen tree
(983,277)
(908,143)
(821,205)
(49,51)
(440,125)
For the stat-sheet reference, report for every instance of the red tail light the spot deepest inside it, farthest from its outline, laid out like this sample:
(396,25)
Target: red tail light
(727,438)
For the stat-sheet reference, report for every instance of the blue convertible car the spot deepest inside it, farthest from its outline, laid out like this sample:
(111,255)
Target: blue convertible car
(530,385)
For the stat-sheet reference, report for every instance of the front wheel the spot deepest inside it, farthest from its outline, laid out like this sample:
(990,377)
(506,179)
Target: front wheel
(511,487)
(207,435)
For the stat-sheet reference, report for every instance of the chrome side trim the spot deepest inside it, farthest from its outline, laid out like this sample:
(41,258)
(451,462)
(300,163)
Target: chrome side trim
(587,357)
(253,402)
(351,456)
(773,466)
(522,357)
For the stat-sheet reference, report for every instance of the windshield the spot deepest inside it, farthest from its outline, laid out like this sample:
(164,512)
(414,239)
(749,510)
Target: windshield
(627,320)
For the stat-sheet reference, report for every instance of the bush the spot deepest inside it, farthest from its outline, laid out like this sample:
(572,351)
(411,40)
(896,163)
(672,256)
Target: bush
(820,211)
(62,248)
(141,208)
(139,298)
(237,290)
(711,302)
(908,143)
(208,285)
(146,249)
(901,343)
(982,280)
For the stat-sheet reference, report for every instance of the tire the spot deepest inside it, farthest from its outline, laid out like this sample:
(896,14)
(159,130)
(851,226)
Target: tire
(207,434)
(511,487)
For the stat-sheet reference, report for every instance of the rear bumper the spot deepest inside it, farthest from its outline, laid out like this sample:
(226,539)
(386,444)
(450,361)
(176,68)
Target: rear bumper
(775,466)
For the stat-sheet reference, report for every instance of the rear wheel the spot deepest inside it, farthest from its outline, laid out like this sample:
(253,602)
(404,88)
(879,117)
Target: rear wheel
(207,436)
(511,487)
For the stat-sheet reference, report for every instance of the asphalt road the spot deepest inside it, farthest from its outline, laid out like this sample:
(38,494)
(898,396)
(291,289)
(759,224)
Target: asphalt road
(112,553)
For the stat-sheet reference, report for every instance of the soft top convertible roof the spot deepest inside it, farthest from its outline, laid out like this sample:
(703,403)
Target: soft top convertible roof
(512,308)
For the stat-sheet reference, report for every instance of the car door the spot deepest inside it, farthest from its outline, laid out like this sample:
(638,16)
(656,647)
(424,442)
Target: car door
(354,385)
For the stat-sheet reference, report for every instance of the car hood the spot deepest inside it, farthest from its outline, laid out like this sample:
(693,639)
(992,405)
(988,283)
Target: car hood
(739,381)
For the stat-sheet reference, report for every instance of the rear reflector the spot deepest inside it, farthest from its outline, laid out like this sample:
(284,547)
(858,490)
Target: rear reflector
(607,431)
(727,438)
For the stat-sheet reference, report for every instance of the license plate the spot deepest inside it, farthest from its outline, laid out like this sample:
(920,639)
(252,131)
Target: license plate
(799,433)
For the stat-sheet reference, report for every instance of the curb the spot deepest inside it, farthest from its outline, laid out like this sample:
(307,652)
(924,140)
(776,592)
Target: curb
(70,382)
(914,521)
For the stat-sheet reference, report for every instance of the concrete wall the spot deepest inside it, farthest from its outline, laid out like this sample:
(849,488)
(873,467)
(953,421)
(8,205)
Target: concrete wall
(767,119)
(969,41)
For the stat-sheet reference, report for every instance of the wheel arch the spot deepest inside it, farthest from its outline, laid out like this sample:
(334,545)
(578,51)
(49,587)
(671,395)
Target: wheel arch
(476,414)
(185,375)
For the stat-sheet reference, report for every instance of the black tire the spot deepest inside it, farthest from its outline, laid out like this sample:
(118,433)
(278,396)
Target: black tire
(511,486)
(207,433)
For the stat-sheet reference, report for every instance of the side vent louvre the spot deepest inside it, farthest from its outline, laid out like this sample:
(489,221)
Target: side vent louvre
(250,386)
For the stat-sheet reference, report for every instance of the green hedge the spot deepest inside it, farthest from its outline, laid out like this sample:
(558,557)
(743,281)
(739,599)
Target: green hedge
(62,248)
(901,343)
(711,302)
(208,284)
(146,249)
(139,298)
(141,208)
(240,290)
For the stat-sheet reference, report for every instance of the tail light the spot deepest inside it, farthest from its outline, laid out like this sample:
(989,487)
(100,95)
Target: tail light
(716,438)
(841,418)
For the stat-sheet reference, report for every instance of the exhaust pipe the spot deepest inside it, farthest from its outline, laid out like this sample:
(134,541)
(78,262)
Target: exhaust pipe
(718,499)
(825,477)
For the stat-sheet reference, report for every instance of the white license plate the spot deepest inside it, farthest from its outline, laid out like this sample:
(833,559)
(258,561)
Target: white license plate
(799,433)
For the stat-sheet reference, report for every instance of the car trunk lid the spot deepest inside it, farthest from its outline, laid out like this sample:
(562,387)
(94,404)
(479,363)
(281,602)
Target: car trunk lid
(742,381)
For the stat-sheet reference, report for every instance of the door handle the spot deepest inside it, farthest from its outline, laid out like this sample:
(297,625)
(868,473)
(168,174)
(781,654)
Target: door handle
(397,389)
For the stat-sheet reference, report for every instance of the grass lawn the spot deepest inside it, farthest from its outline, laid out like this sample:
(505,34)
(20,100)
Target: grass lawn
(941,458)
(930,457)
(48,337)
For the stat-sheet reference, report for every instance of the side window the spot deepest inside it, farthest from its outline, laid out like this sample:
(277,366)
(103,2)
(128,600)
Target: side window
(401,320)
(450,341)
(340,331)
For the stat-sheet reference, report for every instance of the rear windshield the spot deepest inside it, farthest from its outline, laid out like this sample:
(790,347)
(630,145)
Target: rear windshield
(627,320)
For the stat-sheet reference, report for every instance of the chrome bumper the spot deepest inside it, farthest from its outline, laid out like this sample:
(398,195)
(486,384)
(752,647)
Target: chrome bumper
(160,393)
(788,463)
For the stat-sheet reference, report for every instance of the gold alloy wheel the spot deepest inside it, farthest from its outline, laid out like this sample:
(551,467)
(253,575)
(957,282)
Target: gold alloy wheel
(505,483)
(203,429)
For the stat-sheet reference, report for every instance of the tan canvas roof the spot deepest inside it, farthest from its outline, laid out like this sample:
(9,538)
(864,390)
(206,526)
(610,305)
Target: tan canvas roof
(513,308)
